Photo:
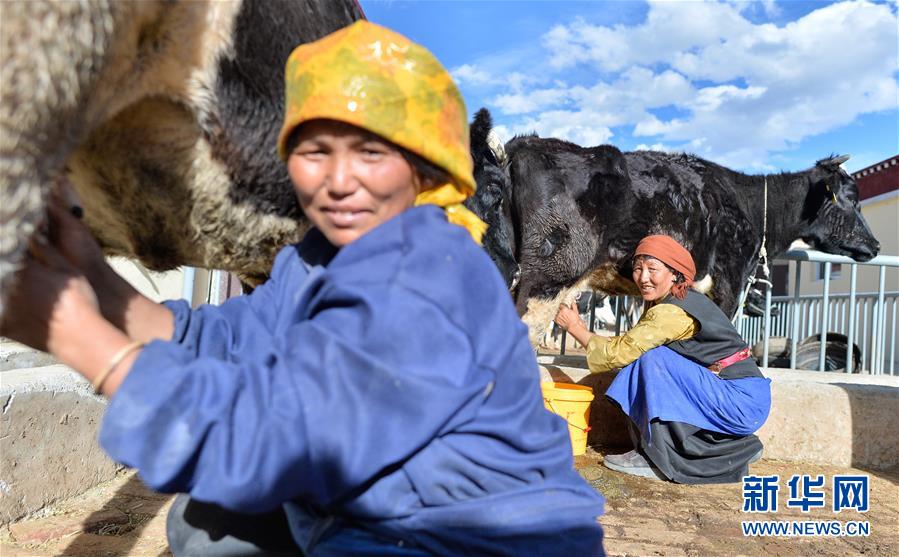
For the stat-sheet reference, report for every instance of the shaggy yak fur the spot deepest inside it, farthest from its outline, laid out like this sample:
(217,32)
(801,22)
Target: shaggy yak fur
(164,116)
(578,213)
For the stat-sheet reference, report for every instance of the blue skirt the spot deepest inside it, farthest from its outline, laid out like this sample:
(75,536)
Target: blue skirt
(664,385)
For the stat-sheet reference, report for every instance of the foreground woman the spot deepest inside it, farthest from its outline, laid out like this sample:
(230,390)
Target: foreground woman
(378,393)
(692,393)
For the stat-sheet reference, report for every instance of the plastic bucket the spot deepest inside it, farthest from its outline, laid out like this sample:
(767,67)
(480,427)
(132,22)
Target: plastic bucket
(572,403)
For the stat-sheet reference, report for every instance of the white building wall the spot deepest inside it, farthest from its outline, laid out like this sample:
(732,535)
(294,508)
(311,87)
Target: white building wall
(161,286)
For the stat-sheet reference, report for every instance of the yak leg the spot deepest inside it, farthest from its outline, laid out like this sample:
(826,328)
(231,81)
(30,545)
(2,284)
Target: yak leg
(541,311)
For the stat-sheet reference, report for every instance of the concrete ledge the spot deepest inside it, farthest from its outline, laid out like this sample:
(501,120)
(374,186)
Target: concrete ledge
(50,418)
(818,417)
(48,430)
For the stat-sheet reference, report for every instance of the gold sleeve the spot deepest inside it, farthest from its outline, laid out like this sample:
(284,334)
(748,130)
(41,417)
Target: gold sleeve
(660,324)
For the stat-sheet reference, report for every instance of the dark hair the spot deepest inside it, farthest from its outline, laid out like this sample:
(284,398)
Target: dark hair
(678,276)
(429,173)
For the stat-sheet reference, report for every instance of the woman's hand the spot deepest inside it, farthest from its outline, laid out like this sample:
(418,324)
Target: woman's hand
(53,308)
(68,233)
(49,302)
(120,304)
(569,319)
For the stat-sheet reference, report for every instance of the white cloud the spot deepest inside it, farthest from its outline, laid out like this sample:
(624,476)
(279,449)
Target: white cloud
(517,80)
(823,46)
(709,99)
(605,105)
(584,128)
(503,133)
(521,103)
(655,147)
(670,27)
(653,126)
(469,73)
(767,7)
(771,8)
(701,76)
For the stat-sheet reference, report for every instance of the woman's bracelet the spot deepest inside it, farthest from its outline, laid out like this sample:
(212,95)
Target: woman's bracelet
(113,362)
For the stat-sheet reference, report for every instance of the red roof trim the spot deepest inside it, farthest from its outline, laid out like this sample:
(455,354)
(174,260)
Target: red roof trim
(877,179)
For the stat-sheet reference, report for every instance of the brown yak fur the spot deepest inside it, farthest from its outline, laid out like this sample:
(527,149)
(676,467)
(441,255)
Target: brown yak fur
(163,116)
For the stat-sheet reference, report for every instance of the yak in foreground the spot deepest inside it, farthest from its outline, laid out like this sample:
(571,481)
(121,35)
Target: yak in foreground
(163,116)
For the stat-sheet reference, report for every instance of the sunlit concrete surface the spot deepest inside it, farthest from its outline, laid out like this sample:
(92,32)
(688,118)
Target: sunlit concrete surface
(818,417)
(48,430)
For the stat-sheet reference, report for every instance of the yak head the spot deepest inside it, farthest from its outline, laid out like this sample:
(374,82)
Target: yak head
(836,224)
(492,201)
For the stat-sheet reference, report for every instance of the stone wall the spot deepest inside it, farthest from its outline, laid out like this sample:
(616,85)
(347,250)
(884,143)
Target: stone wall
(817,417)
(48,431)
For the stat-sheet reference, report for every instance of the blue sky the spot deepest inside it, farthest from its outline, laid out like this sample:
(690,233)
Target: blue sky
(758,86)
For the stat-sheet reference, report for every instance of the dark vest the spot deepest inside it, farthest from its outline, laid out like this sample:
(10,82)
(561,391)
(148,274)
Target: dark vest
(716,338)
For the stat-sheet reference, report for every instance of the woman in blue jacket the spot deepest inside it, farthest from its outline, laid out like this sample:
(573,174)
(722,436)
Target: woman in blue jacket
(378,393)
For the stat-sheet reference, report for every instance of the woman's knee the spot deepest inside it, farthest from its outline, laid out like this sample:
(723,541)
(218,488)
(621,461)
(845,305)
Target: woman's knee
(197,528)
(655,360)
(177,530)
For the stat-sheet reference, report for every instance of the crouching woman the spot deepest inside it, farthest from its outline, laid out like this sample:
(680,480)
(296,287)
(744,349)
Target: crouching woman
(693,395)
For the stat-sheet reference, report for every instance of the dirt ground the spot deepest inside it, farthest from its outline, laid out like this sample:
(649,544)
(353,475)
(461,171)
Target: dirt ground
(643,518)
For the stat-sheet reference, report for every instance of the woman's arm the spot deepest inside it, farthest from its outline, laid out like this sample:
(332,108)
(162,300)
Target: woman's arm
(208,331)
(660,324)
(68,301)
(124,307)
(324,408)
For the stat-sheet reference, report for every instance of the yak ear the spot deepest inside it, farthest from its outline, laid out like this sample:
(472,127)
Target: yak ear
(834,161)
(484,137)
(480,127)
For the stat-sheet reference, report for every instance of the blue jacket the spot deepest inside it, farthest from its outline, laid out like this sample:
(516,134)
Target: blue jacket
(390,382)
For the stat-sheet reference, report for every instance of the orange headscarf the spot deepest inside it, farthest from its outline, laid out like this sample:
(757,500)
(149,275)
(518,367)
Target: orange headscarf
(380,81)
(667,250)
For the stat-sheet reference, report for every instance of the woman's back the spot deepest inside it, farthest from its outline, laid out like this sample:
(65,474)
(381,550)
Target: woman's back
(715,339)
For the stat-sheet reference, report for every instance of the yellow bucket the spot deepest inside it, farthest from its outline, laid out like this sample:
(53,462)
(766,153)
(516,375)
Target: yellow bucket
(572,402)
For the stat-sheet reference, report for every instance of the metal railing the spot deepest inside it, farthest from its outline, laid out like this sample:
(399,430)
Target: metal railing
(809,314)
(868,319)
(627,311)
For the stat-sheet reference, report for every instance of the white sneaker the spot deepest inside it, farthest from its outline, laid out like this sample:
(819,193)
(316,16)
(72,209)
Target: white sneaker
(635,464)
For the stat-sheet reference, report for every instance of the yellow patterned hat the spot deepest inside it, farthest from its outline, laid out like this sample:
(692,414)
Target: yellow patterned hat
(373,78)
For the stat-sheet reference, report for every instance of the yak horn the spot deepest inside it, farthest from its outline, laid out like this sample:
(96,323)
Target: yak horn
(836,161)
(841,159)
(496,145)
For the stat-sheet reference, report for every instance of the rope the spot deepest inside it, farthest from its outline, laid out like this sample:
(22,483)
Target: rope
(763,252)
(763,258)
